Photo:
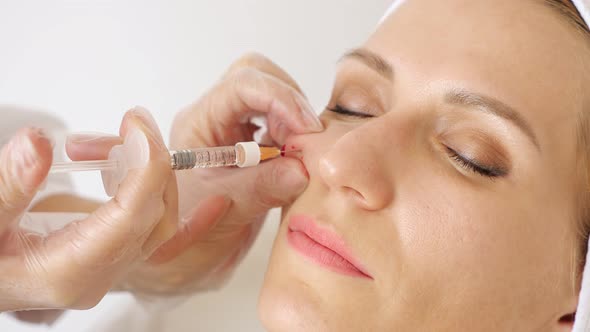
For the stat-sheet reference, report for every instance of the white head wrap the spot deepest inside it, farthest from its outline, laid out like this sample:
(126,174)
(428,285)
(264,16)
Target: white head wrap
(582,323)
(584,9)
(582,5)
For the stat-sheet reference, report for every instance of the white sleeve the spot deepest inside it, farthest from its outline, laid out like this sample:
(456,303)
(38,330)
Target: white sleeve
(14,118)
(582,322)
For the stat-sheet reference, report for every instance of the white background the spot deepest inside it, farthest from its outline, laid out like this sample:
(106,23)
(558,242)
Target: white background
(89,61)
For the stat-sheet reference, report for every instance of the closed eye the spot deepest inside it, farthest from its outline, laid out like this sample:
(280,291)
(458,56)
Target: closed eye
(344,111)
(475,166)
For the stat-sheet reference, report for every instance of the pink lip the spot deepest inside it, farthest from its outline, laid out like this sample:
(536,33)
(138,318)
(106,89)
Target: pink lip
(323,246)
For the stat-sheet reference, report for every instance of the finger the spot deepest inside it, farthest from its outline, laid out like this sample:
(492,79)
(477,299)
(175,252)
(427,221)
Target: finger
(265,65)
(246,93)
(256,190)
(96,146)
(99,249)
(253,91)
(166,228)
(24,164)
(201,219)
(168,224)
(148,120)
(269,185)
(90,146)
(276,128)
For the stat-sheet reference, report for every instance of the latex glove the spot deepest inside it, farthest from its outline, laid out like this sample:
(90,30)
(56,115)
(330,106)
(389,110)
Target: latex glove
(222,210)
(75,266)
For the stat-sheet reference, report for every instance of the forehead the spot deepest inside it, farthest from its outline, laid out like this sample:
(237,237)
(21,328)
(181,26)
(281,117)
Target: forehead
(521,52)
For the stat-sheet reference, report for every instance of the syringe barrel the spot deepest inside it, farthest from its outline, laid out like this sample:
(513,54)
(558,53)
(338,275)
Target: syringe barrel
(204,158)
(243,154)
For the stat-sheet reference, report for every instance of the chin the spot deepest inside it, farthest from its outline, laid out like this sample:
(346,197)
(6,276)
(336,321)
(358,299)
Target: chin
(289,308)
(288,301)
(299,295)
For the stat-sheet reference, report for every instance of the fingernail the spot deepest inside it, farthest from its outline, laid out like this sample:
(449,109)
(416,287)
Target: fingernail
(23,158)
(85,137)
(309,115)
(295,180)
(282,132)
(23,151)
(147,118)
(148,121)
(137,148)
(45,135)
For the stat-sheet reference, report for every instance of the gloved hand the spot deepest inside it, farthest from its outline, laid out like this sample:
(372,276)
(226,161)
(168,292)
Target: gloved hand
(75,266)
(221,210)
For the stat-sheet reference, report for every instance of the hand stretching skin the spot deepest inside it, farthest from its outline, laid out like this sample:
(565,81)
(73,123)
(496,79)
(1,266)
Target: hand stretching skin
(221,210)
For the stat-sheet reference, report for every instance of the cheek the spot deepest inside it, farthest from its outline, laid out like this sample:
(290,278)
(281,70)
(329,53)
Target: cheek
(463,244)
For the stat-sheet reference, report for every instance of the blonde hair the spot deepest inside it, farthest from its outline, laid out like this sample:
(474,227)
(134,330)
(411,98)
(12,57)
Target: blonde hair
(567,8)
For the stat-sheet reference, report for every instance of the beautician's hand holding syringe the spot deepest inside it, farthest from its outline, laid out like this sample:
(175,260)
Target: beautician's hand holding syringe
(221,210)
(76,266)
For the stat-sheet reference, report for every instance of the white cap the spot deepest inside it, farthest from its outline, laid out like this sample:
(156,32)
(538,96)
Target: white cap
(583,7)
(248,154)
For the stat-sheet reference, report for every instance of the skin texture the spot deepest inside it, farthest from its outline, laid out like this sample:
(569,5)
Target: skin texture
(55,203)
(448,248)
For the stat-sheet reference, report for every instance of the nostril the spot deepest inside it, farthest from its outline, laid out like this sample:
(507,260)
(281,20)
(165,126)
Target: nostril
(357,196)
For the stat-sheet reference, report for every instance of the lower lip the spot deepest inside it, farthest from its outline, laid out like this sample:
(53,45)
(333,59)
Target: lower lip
(321,255)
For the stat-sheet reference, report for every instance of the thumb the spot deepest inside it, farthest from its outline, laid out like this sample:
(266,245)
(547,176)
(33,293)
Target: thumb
(24,164)
(269,185)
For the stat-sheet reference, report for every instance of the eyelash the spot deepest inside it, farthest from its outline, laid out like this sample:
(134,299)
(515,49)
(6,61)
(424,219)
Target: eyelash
(346,112)
(474,166)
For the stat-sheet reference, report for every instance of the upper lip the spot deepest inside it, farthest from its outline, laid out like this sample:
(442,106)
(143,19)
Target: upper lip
(326,238)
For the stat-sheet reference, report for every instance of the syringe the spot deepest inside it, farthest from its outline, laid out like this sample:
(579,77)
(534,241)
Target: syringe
(121,158)
(243,154)
(131,155)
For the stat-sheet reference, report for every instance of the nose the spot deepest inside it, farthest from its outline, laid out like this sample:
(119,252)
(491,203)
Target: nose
(355,168)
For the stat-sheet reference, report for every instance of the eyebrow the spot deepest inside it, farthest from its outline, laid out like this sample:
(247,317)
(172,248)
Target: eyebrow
(371,60)
(457,97)
(493,106)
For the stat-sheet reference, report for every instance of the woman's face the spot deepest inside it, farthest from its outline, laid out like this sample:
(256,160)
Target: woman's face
(446,198)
